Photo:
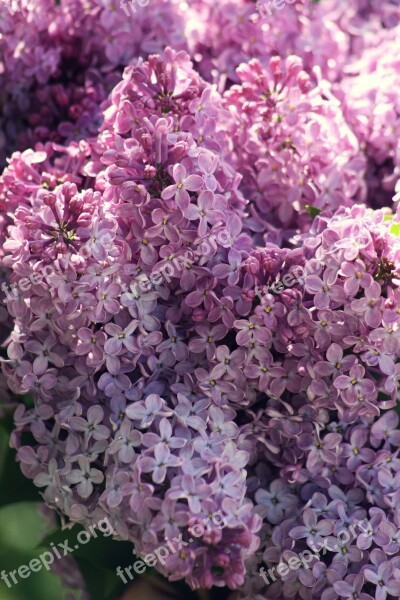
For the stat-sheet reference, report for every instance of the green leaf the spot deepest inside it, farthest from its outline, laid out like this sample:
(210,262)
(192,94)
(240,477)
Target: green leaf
(312,210)
(395,229)
(101,551)
(101,584)
(21,526)
(7,423)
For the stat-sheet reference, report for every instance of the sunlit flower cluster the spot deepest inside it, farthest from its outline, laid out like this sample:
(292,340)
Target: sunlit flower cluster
(200,273)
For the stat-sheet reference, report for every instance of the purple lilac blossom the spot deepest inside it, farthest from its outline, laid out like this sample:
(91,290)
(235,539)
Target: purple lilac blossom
(151,234)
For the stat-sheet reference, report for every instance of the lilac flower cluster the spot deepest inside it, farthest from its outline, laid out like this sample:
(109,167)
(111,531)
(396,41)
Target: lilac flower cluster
(209,176)
(324,34)
(292,146)
(352,478)
(371,107)
(54,76)
(321,430)
(223,36)
(127,418)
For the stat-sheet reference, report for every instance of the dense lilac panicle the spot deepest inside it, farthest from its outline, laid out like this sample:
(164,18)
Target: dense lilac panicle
(346,527)
(38,170)
(325,35)
(329,370)
(54,76)
(113,339)
(222,36)
(342,324)
(292,145)
(43,76)
(26,174)
(370,104)
(196,343)
(365,23)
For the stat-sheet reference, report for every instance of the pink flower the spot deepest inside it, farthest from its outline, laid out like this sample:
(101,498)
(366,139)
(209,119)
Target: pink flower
(354,386)
(183,185)
(327,294)
(204,212)
(370,305)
